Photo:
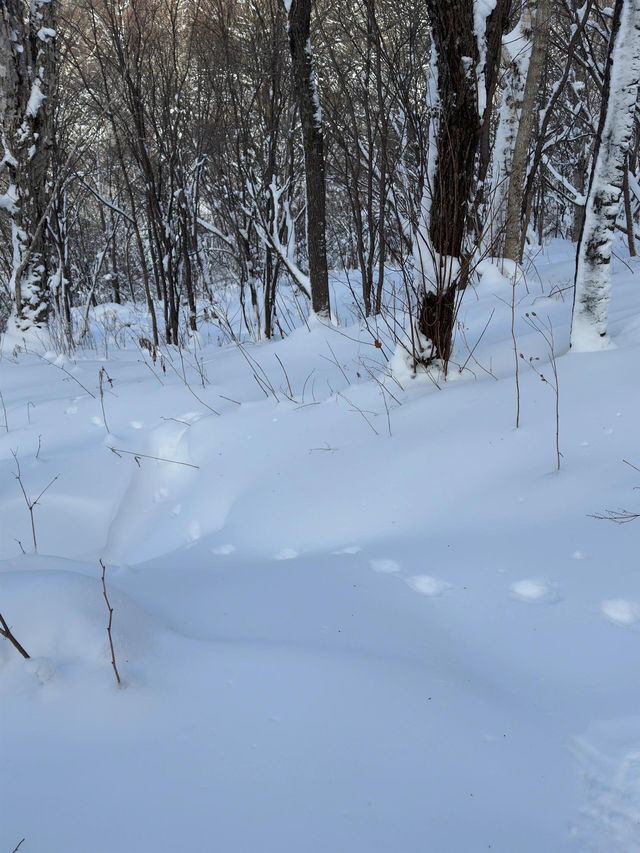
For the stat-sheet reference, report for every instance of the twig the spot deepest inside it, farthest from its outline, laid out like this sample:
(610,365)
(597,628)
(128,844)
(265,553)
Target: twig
(110,609)
(285,375)
(546,331)
(60,367)
(618,516)
(337,363)
(229,399)
(187,385)
(355,408)
(515,347)
(18,845)
(5,631)
(473,349)
(4,409)
(118,451)
(175,420)
(30,504)
(265,383)
(101,375)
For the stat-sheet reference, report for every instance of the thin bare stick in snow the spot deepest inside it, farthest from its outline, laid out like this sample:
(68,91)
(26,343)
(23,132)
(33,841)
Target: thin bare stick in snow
(5,631)
(110,609)
(31,504)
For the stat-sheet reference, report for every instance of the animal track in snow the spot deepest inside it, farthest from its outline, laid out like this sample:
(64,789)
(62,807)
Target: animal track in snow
(193,531)
(385,565)
(286,554)
(427,585)
(136,424)
(350,549)
(579,555)
(43,669)
(620,611)
(534,591)
(223,549)
(161,494)
(609,755)
(71,410)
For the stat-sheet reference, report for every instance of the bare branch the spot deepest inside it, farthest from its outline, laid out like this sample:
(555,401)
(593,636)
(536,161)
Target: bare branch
(5,631)
(110,609)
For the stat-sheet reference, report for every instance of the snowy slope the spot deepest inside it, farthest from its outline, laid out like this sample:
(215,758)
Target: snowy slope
(341,629)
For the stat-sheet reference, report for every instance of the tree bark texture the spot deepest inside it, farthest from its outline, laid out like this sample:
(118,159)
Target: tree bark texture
(313,144)
(513,225)
(619,95)
(466,68)
(28,85)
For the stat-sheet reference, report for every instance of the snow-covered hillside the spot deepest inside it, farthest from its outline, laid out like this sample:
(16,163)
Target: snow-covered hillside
(353,611)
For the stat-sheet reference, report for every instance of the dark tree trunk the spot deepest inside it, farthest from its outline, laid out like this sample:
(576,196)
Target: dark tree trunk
(452,30)
(631,240)
(462,86)
(313,144)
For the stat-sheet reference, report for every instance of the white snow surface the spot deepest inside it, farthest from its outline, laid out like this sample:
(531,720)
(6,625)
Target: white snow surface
(339,631)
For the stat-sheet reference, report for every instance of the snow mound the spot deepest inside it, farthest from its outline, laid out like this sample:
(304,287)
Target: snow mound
(534,591)
(620,611)
(427,585)
(60,617)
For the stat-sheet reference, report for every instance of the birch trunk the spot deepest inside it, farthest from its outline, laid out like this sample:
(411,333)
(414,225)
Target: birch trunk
(593,263)
(516,52)
(513,224)
(28,84)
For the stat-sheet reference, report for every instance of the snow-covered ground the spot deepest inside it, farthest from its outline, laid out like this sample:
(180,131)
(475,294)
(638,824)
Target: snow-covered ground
(353,611)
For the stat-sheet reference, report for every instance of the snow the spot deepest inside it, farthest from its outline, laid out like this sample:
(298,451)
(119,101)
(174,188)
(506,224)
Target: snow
(46,33)
(36,97)
(330,638)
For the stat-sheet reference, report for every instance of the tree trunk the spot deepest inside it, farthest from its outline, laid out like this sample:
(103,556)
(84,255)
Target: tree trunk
(28,85)
(466,62)
(631,240)
(516,52)
(299,12)
(619,95)
(513,226)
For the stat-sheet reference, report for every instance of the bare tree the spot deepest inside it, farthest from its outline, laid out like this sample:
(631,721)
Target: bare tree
(466,53)
(306,87)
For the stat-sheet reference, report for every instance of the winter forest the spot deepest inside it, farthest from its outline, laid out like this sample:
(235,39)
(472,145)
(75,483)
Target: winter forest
(319,393)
